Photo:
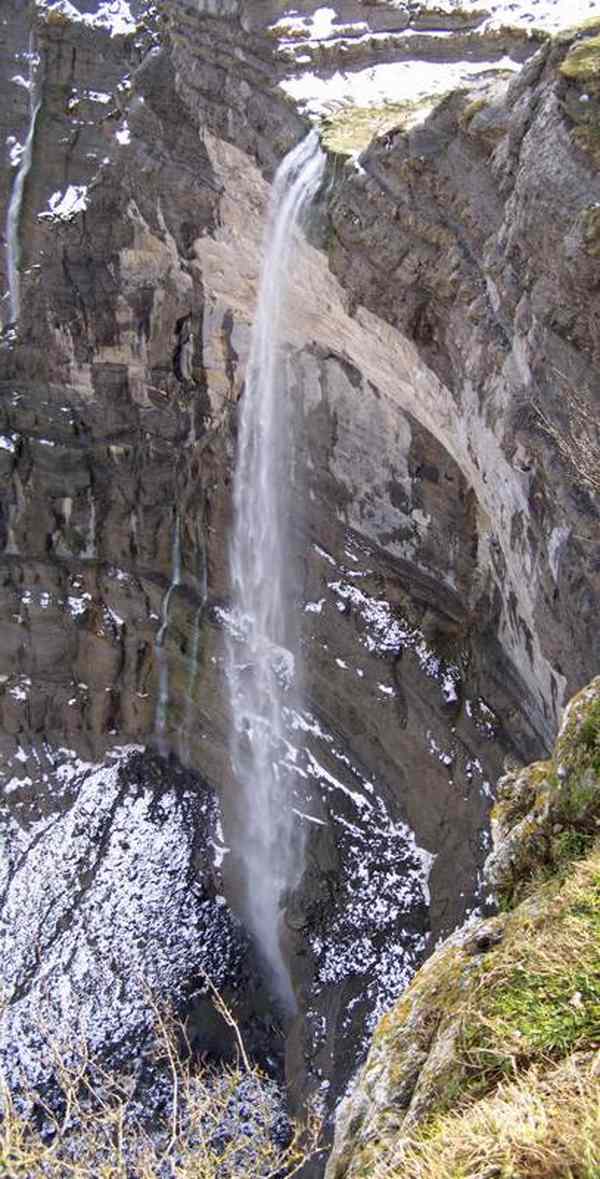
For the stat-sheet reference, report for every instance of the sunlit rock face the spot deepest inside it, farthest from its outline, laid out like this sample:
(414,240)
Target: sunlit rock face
(442,343)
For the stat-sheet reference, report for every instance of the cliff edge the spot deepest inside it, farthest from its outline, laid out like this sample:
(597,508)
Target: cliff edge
(489,1064)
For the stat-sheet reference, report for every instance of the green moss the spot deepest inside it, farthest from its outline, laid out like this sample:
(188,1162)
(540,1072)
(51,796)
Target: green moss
(540,995)
(352,128)
(519,792)
(589,736)
(590,25)
(582,63)
(542,1011)
(579,799)
(475,1017)
(473,108)
(568,846)
(552,808)
(519,994)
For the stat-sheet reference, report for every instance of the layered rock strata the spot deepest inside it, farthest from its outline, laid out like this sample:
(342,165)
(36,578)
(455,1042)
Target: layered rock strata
(442,341)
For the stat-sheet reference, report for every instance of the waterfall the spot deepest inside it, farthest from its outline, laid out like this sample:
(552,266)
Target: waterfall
(263,670)
(161,653)
(13,216)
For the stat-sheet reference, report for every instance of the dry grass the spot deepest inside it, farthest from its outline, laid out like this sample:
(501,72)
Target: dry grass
(350,130)
(538,996)
(545,1125)
(224,1123)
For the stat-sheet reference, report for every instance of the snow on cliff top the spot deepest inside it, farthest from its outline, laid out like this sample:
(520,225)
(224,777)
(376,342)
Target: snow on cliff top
(114,15)
(551,15)
(399,81)
(388,82)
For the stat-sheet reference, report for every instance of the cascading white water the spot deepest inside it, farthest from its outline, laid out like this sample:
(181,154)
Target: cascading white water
(264,669)
(13,216)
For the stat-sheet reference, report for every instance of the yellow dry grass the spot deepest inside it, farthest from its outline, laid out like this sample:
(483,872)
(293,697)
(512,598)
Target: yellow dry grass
(217,1124)
(545,1125)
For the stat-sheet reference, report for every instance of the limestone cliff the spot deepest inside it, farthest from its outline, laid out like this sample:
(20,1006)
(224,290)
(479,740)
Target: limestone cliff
(443,341)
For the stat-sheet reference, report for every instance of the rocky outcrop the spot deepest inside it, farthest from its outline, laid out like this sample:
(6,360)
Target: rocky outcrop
(110,886)
(466,1067)
(447,539)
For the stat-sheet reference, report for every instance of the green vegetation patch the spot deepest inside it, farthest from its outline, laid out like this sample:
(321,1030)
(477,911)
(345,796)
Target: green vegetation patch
(590,25)
(549,814)
(520,996)
(351,129)
(578,746)
(540,995)
(582,62)
(489,1064)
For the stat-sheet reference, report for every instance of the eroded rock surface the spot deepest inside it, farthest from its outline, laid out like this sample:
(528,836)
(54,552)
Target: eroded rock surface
(442,340)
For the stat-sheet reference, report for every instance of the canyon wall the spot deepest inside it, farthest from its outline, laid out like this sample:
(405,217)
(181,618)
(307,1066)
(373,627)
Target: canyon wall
(442,343)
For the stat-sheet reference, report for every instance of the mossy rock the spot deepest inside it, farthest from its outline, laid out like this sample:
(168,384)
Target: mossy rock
(591,226)
(578,743)
(501,998)
(517,792)
(511,993)
(473,108)
(582,63)
(352,128)
(549,814)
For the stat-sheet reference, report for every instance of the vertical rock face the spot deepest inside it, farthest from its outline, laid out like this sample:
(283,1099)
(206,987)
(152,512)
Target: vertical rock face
(442,345)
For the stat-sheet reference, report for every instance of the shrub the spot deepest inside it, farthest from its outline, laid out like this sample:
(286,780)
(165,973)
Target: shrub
(217,1123)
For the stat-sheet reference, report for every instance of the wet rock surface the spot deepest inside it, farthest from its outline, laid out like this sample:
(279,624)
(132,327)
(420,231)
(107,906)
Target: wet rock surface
(443,316)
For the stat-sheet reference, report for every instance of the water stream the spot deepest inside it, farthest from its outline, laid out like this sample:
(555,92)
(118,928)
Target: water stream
(264,668)
(161,651)
(13,216)
(194,654)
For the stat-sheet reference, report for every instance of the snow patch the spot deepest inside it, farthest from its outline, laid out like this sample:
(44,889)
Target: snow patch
(387,82)
(114,15)
(64,206)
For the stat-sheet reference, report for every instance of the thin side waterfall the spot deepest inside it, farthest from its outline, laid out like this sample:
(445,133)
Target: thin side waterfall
(161,653)
(264,671)
(13,216)
(193,668)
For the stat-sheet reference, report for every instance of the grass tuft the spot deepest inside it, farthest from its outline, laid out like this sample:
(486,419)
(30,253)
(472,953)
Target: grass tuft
(545,1125)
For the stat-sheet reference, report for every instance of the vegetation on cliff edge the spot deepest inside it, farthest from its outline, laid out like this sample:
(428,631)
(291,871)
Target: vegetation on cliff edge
(489,1066)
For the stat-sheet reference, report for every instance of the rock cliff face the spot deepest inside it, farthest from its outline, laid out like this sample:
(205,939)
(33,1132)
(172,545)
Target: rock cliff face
(443,343)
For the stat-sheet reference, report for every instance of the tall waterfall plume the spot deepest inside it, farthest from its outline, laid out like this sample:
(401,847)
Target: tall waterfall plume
(13,216)
(264,672)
